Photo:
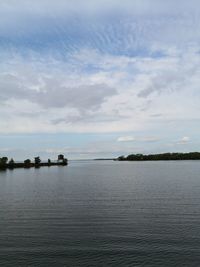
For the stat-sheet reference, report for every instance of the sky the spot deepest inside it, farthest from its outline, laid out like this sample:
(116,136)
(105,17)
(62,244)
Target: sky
(95,78)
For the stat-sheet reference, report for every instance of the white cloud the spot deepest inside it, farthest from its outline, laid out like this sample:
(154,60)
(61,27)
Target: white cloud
(126,139)
(137,139)
(185,140)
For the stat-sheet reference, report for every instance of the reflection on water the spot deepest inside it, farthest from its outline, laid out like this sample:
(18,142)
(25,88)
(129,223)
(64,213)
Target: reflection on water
(101,213)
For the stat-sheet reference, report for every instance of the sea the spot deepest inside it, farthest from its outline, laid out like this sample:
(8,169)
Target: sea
(101,213)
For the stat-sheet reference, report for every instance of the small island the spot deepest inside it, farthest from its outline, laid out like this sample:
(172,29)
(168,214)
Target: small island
(37,163)
(164,156)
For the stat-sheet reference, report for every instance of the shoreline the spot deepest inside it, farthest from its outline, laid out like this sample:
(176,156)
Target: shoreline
(27,164)
(31,165)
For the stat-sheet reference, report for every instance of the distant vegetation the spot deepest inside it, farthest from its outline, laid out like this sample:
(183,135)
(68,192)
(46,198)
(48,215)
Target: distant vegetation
(164,156)
(37,163)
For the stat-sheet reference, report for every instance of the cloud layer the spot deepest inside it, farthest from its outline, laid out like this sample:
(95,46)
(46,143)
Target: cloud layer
(104,94)
(102,67)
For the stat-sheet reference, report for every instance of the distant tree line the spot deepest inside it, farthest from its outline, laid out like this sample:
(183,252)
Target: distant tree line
(164,156)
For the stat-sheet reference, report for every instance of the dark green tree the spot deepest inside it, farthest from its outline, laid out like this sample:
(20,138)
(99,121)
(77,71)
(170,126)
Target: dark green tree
(27,163)
(49,162)
(37,161)
(11,164)
(3,163)
(65,161)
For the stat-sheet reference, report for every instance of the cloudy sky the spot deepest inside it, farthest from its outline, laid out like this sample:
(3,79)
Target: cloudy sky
(99,78)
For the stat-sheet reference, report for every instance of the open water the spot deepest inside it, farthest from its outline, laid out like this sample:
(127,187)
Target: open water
(101,213)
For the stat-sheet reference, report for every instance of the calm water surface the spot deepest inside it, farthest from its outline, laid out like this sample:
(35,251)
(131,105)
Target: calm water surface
(101,214)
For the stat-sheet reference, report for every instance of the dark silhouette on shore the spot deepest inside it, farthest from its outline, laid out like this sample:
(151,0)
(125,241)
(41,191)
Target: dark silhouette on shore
(164,156)
(37,163)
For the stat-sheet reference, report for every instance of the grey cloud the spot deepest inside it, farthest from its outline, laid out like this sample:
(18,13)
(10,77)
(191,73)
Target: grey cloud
(54,95)
(82,97)
(10,87)
(167,81)
(156,115)
(157,84)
